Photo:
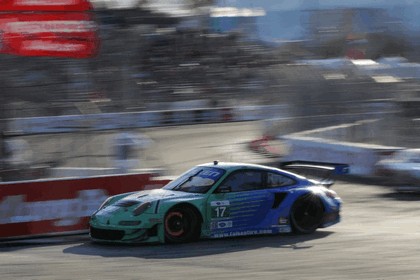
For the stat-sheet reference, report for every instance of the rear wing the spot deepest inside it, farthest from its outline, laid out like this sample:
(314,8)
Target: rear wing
(321,172)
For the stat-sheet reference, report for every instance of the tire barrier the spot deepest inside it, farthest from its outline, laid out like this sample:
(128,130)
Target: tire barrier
(61,206)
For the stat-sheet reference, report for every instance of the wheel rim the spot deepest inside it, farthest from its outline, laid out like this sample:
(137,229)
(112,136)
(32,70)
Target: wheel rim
(175,224)
(307,215)
(182,224)
(304,217)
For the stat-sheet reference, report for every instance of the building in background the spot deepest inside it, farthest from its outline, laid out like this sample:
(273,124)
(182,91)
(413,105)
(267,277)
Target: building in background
(330,28)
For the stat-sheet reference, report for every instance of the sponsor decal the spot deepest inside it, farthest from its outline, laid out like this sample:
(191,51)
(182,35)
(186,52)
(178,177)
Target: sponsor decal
(66,212)
(282,228)
(220,203)
(212,173)
(243,233)
(221,224)
(283,220)
(224,224)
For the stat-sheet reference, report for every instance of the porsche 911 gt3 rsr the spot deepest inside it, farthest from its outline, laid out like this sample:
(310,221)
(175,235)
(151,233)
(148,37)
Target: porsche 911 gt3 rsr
(218,200)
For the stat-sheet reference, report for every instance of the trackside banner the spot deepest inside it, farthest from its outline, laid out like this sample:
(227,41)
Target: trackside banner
(44,5)
(35,208)
(70,35)
(51,28)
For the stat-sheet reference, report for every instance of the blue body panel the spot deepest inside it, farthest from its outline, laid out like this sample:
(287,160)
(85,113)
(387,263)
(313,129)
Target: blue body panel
(256,212)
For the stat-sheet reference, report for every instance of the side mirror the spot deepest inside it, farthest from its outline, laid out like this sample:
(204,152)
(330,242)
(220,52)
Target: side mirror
(224,189)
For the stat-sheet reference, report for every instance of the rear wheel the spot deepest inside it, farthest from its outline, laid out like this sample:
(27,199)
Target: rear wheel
(306,214)
(182,224)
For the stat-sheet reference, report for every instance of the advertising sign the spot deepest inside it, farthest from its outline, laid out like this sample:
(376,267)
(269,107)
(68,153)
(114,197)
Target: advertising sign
(53,34)
(44,5)
(53,28)
(35,208)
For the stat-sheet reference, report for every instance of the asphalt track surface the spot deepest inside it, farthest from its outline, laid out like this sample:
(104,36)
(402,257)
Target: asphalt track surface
(378,237)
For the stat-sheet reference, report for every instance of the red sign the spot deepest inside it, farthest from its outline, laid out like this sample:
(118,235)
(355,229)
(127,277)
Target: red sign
(57,34)
(29,209)
(44,5)
(56,28)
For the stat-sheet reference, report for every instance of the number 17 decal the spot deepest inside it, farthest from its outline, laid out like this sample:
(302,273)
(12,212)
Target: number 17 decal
(220,209)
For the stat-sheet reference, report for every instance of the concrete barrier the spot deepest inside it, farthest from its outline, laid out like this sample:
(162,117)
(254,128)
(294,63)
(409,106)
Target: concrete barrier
(74,123)
(331,144)
(63,124)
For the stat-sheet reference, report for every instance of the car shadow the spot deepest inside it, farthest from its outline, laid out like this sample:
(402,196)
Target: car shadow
(401,196)
(199,248)
(45,241)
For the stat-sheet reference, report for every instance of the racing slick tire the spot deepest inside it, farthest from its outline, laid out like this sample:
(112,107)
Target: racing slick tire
(306,214)
(182,224)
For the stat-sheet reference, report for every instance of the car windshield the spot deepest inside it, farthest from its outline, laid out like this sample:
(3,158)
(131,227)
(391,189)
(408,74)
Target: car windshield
(196,180)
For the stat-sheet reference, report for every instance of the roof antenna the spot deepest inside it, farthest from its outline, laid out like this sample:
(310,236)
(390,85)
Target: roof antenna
(215,162)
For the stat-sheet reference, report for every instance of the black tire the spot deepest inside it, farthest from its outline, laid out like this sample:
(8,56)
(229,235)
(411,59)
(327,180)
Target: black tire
(306,214)
(182,224)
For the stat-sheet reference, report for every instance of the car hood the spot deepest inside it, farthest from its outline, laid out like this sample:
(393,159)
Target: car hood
(122,208)
(158,194)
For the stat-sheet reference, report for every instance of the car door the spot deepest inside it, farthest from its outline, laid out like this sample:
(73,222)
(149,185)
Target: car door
(239,204)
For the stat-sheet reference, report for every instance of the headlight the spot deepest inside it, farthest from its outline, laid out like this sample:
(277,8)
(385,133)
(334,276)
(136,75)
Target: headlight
(141,208)
(331,194)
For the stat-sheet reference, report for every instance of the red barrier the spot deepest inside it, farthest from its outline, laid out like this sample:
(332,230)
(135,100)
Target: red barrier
(28,209)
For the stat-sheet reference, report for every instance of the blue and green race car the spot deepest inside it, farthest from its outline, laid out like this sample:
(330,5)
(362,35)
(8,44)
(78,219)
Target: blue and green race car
(217,200)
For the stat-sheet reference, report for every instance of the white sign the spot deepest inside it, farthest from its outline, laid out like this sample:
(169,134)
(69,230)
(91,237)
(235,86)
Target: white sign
(67,212)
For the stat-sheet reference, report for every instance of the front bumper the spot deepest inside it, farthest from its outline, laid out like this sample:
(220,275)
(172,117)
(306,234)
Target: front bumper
(330,219)
(101,234)
(121,227)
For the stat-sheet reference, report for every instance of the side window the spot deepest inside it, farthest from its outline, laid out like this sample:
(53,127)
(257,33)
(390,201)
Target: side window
(278,180)
(247,180)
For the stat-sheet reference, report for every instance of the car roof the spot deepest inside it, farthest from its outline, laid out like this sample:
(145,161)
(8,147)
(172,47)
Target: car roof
(232,166)
(237,165)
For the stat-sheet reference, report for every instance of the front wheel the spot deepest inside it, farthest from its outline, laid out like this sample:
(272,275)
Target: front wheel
(182,224)
(306,214)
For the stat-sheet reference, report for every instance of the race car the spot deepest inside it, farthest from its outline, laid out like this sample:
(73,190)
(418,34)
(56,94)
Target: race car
(217,200)
(401,168)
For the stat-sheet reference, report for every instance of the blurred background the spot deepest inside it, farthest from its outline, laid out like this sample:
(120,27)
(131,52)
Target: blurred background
(328,62)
